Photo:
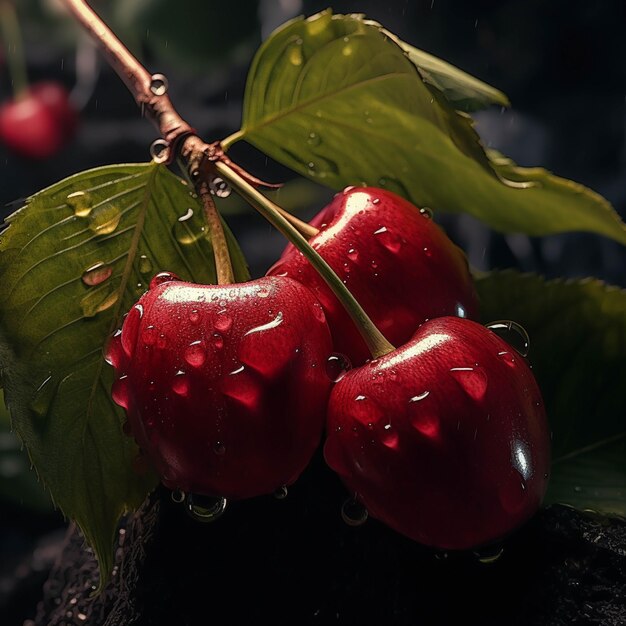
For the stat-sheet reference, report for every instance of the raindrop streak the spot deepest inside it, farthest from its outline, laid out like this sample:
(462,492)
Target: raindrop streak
(104,219)
(223,323)
(472,380)
(281,493)
(158,84)
(204,508)
(96,274)
(353,512)
(513,333)
(80,202)
(337,366)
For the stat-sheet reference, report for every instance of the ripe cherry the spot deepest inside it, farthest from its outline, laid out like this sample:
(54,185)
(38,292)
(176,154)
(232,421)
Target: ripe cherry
(38,122)
(395,260)
(224,385)
(444,439)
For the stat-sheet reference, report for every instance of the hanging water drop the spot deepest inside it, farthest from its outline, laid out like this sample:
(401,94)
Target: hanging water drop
(159,150)
(513,333)
(353,512)
(158,84)
(426,212)
(80,202)
(204,508)
(219,187)
(281,493)
(163,277)
(337,366)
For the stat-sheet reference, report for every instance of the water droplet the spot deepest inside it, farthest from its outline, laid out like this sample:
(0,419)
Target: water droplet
(178,496)
(427,252)
(158,84)
(163,277)
(104,218)
(281,493)
(97,301)
(365,410)
(145,264)
(421,416)
(426,212)
(149,335)
(389,436)
(160,150)
(277,321)
(346,51)
(391,241)
(219,188)
(507,357)
(472,380)
(337,366)
(489,554)
(218,341)
(348,189)
(353,512)
(223,323)
(80,202)
(294,52)
(318,313)
(180,384)
(263,293)
(204,508)
(119,391)
(513,333)
(313,139)
(353,254)
(195,354)
(188,229)
(219,448)
(97,273)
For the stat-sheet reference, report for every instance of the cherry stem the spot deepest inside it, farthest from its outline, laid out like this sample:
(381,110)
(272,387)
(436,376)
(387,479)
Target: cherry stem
(203,162)
(306,230)
(374,339)
(14,50)
(223,264)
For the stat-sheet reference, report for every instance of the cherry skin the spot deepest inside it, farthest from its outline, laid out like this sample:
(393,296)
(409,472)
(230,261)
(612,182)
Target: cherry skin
(445,439)
(398,264)
(39,122)
(224,386)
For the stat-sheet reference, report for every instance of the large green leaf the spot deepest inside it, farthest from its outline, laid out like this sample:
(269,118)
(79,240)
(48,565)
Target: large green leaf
(463,91)
(336,99)
(72,261)
(578,351)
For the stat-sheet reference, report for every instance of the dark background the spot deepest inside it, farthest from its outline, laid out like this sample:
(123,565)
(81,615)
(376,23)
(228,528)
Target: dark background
(562,64)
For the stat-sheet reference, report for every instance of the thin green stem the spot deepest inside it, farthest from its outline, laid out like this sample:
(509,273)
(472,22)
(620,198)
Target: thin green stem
(223,263)
(13,48)
(374,339)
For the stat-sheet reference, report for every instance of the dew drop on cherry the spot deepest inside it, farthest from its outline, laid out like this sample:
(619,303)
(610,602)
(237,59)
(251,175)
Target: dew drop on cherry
(205,508)
(507,357)
(223,323)
(281,493)
(195,353)
(163,277)
(473,380)
(353,513)
(120,391)
(336,366)
(513,333)
(180,384)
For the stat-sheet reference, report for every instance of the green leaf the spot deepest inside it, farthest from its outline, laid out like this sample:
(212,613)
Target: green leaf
(578,352)
(18,483)
(463,91)
(337,100)
(72,262)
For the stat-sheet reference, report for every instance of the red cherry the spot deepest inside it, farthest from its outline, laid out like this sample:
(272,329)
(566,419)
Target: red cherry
(225,386)
(444,439)
(56,98)
(37,124)
(395,260)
